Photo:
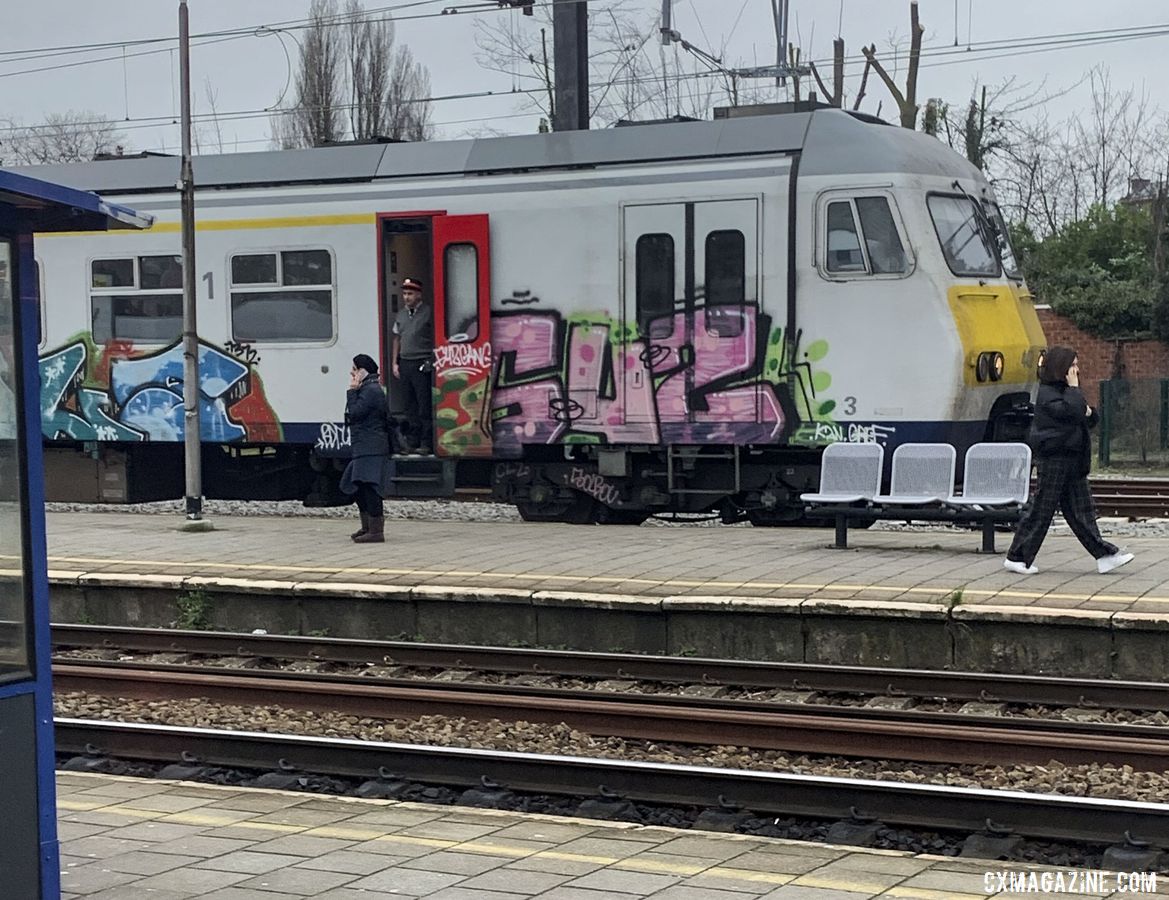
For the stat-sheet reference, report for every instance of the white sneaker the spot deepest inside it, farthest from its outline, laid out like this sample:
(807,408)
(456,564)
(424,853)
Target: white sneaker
(1106,564)
(1019,568)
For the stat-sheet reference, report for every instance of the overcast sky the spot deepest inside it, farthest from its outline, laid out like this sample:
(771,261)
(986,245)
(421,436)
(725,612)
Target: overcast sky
(249,74)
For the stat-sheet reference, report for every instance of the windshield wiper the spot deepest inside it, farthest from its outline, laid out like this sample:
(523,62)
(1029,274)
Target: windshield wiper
(987,230)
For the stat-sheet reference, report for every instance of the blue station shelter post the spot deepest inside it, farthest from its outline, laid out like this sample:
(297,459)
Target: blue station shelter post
(29,859)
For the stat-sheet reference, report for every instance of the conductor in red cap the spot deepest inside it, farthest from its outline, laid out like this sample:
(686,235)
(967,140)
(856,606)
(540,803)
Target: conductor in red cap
(412,362)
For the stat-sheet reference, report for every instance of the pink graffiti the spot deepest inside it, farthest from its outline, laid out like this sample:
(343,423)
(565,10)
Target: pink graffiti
(553,379)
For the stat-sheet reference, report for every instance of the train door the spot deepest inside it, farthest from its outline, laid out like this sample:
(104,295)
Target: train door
(462,340)
(691,286)
(405,253)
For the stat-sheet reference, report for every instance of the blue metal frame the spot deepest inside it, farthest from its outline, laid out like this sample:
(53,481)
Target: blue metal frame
(28,205)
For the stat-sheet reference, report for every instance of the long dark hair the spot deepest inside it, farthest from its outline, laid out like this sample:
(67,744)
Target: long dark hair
(1056,364)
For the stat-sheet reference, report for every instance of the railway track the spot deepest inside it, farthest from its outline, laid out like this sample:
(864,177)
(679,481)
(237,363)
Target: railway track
(1131,497)
(856,732)
(1041,816)
(800,677)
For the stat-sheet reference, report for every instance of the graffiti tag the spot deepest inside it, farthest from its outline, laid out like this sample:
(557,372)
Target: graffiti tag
(463,356)
(594,485)
(855,433)
(512,470)
(241,351)
(333,436)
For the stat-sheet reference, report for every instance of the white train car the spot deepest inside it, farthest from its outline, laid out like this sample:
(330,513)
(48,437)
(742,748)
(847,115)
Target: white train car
(669,317)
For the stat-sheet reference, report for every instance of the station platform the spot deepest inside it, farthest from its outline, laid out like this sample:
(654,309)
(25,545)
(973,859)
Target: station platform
(134,838)
(919,599)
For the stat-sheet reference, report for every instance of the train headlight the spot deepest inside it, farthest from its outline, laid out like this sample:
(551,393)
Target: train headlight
(997,366)
(982,367)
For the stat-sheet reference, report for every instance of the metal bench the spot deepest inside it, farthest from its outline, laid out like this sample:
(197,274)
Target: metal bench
(996,486)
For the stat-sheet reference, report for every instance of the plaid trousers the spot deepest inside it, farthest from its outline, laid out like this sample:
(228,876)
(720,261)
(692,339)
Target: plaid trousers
(1060,486)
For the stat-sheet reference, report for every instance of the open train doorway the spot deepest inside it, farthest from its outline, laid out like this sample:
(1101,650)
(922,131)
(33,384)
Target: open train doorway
(406,252)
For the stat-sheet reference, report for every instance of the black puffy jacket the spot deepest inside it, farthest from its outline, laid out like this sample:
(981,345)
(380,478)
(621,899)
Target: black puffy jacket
(365,414)
(1061,423)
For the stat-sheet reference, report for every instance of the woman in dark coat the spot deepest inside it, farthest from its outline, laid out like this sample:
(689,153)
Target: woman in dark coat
(365,414)
(1063,451)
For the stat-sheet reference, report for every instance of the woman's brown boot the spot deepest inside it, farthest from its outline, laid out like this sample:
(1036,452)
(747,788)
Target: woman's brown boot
(363,529)
(376,533)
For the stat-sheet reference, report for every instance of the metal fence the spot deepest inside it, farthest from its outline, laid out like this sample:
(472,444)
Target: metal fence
(1134,422)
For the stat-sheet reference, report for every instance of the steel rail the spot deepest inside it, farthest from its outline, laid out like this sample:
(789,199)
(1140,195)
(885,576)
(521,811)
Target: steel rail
(1045,816)
(824,730)
(988,687)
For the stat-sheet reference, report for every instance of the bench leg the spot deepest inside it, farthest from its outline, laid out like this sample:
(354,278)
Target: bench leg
(841,532)
(988,536)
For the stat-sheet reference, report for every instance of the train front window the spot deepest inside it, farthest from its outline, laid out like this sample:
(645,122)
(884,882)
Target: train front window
(844,243)
(14,658)
(1003,239)
(965,238)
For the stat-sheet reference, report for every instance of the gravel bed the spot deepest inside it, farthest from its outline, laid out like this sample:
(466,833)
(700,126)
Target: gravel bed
(1095,780)
(489,511)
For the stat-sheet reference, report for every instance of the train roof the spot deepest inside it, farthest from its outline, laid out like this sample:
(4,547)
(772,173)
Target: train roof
(829,141)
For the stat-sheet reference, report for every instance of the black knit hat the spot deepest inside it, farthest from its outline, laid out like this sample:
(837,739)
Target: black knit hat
(365,361)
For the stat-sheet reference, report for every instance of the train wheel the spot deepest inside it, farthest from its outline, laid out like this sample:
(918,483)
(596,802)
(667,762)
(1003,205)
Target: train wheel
(576,511)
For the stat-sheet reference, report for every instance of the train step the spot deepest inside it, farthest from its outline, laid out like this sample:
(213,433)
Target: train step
(422,476)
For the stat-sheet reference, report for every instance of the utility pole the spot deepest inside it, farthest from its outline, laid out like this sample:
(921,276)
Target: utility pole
(192,435)
(779,10)
(570,49)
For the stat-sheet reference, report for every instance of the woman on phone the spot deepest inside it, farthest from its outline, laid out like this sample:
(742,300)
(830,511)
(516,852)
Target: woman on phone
(1063,451)
(365,414)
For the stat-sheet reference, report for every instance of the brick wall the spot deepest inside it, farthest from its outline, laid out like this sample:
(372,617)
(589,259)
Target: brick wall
(1100,359)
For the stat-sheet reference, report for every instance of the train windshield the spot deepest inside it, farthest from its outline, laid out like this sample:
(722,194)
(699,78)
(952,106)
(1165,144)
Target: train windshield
(965,235)
(1002,238)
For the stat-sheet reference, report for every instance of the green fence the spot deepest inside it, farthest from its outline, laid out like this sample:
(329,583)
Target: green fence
(1134,422)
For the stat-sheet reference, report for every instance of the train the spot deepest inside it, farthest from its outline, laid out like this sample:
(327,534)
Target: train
(661,318)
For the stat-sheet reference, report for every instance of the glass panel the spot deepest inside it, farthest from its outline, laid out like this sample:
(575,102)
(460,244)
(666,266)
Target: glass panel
(160,272)
(886,255)
(149,318)
(1003,239)
(40,302)
(726,263)
(279,316)
(111,273)
(253,268)
(966,246)
(844,247)
(461,289)
(655,285)
(13,602)
(307,267)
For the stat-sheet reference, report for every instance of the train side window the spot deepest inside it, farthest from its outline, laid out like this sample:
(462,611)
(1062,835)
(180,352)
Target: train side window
(460,283)
(886,255)
(282,297)
(725,279)
(136,299)
(655,285)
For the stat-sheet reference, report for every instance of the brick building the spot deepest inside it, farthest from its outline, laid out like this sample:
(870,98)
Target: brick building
(1102,359)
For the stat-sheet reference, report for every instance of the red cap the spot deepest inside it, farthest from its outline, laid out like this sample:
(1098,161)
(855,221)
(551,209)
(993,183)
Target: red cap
(411,284)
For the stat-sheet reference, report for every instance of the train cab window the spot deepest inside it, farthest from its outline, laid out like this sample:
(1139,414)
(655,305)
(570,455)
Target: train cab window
(863,238)
(965,236)
(655,285)
(138,298)
(460,283)
(282,297)
(883,243)
(725,278)
(14,604)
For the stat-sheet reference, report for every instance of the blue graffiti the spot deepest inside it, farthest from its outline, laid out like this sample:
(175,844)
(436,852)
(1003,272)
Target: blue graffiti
(145,399)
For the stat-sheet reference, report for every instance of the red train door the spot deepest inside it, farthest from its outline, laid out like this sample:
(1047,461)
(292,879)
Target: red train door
(462,335)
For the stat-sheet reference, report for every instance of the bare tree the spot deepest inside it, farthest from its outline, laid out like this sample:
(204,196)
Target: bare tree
(370,47)
(407,108)
(906,100)
(351,54)
(74,136)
